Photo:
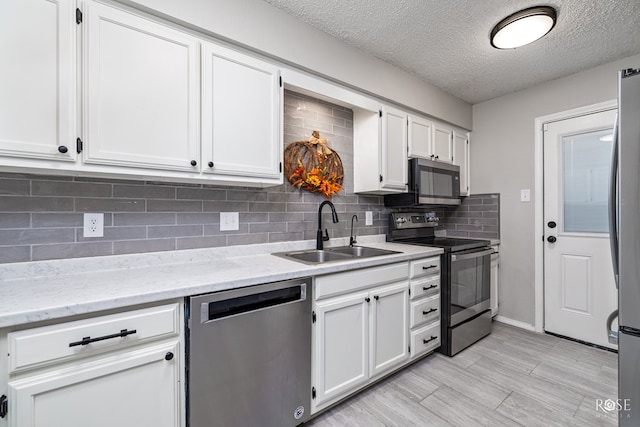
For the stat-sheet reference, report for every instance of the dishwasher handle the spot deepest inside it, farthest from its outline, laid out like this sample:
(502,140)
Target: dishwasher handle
(249,302)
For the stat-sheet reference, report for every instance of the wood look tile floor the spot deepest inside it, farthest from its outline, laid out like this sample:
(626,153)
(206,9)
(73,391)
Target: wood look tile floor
(513,377)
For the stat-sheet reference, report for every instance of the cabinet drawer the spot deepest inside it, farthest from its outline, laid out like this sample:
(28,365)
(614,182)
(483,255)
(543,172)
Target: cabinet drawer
(424,311)
(366,278)
(425,286)
(65,341)
(424,267)
(425,339)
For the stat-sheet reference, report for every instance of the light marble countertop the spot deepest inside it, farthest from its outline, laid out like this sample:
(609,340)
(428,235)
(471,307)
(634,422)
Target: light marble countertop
(44,290)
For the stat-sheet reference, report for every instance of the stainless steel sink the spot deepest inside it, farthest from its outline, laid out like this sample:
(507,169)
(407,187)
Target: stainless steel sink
(361,251)
(342,253)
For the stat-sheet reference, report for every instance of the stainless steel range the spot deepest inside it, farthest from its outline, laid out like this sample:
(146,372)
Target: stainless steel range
(466,263)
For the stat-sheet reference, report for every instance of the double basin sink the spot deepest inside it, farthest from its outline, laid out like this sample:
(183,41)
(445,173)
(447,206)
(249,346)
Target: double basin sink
(341,253)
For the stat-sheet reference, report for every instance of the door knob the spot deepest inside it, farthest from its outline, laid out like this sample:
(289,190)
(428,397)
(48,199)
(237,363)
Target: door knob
(551,239)
(551,224)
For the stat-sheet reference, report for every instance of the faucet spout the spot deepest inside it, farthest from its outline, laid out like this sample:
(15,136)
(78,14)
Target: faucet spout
(319,237)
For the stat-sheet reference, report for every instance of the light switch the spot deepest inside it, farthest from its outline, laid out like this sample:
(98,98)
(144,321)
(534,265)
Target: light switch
(525,195)
(368,218)
(229,221)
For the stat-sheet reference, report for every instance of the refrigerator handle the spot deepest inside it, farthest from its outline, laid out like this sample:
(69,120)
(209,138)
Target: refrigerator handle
(613,203)
(611,334)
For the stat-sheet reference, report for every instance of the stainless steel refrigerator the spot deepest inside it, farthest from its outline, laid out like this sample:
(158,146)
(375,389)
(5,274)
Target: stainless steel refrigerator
(624,221)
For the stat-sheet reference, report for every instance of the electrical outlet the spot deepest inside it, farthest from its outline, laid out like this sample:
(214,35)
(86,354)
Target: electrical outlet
(229,221)
(368,218)
(93,225)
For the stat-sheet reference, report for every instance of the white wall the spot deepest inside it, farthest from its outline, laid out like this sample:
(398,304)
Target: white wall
(502,153)
(260,26)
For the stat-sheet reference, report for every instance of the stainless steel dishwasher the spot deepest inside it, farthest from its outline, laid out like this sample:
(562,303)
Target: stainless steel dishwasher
(249,356)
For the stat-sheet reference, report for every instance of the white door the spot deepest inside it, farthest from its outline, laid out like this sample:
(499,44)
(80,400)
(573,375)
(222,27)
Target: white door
(341,346)
(140,388)
(394,149)
(37,87)
(141,81)
(579,287)
(389,327)
(241,126)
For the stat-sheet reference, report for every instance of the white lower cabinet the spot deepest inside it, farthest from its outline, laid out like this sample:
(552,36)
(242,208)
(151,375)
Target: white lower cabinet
(75,374)
(495,265)
(425,306)
(341,345)
(360,330)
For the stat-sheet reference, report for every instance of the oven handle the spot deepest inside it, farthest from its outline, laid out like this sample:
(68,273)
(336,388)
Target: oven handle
(469,255)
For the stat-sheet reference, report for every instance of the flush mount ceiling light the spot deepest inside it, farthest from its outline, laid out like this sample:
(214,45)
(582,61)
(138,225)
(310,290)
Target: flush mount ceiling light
(523,27)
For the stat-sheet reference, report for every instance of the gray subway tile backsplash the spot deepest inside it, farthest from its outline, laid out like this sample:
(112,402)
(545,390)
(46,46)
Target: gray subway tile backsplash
(478,216)
(41,216)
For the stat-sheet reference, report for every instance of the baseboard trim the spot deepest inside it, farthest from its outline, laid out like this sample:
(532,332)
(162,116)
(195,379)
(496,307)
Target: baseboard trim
(516,323)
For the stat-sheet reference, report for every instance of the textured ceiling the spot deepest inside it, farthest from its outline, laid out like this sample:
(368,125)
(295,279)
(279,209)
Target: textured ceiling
(446,42)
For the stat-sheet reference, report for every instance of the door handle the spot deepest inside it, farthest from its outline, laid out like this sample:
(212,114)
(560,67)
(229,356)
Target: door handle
(611,334)
(551,224)
(551,239)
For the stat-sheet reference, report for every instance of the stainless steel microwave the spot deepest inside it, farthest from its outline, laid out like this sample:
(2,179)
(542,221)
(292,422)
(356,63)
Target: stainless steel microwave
(430,183)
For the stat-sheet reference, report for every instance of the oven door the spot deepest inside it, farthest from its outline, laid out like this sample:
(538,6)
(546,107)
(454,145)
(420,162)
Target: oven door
(470,289)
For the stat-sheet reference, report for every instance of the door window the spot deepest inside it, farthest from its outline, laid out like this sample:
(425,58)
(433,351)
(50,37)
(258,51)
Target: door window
(586,168)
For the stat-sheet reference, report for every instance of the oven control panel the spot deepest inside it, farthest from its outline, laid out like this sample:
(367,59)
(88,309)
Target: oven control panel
(402,220)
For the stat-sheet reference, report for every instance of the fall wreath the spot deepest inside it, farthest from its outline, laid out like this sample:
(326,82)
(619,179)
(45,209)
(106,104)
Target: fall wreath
(311,165)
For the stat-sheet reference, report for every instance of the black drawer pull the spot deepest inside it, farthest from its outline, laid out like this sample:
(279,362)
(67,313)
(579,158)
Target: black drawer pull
(429,340)
(429,287)
(429,267)
(431,310)
(89,340)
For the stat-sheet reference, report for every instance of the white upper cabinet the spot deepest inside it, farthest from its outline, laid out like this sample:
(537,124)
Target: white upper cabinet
(394,149)
(461,158)
(141,92)
(241,117)
(380,151)
(420,137)
(37,88)
(442,143)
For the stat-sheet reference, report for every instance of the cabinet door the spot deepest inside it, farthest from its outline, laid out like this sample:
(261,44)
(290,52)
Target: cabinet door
(141,82)
(341,346)
(139,388)
(389,327)
(394,149)
(420,138)
(443,143)
(37,88)
(241,127)
(461,158)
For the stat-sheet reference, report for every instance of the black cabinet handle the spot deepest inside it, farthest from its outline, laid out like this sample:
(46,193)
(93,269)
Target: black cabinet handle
(63,149)
(429,287)
(194,163)
(376,297)
(168,356)
(429,311)
(210,164)
(429,340)
(367,299)
(437,157)
(89,340)
(429,267)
